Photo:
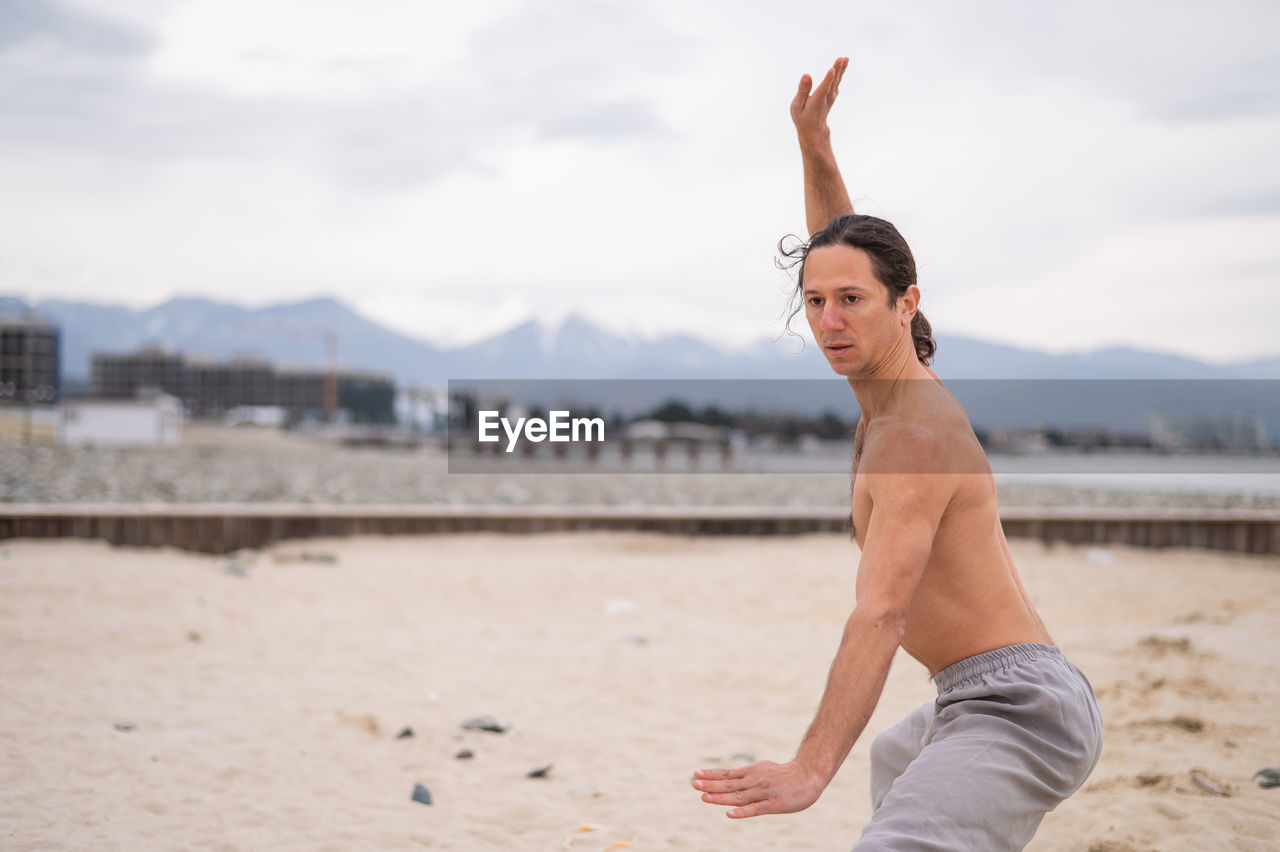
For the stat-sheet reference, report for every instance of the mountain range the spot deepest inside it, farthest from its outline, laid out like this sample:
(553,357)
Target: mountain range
(576,348)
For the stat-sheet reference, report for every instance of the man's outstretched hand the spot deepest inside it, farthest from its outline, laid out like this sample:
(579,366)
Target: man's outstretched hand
(809,108)
(761,788)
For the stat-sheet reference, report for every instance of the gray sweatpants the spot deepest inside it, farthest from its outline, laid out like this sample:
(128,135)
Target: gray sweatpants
(1013,732)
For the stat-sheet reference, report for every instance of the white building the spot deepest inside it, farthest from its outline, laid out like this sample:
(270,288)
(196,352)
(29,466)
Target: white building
(153,418)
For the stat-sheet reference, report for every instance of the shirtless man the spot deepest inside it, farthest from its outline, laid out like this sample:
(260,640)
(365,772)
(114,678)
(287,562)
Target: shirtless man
(1015,728)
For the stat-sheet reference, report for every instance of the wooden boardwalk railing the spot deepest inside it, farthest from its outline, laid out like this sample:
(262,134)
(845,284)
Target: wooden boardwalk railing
(222,528)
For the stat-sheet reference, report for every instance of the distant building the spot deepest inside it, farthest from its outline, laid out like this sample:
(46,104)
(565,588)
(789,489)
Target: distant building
(211,388)
(28,361)
(1231,432)
(152,418)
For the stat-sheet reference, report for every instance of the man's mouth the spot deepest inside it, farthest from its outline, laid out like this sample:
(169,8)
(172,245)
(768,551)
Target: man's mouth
(837,348)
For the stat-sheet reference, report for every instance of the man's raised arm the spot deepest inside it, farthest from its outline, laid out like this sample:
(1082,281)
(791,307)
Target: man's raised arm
(824,194)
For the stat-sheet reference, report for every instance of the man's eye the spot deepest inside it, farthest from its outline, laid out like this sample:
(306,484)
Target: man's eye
(851,298)
(814,302)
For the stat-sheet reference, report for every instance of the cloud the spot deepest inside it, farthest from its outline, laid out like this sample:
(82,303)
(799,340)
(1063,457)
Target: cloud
(79,84)
(27,21)
(1173,62)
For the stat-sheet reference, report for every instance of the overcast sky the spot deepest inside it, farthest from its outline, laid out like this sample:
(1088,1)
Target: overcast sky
(1069,175)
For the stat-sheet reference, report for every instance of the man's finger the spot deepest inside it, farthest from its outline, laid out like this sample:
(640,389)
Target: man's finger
(720,774)
(841,65)
(728,785)
(764,806)
(739,797)
(825,85)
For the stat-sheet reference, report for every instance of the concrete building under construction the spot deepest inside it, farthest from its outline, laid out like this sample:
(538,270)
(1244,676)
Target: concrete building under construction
(29,371)
(212,388)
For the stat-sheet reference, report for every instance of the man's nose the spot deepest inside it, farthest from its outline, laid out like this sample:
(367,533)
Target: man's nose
(831,318)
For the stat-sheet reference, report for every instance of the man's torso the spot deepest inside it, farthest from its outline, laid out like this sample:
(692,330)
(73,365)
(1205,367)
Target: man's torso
(970,598)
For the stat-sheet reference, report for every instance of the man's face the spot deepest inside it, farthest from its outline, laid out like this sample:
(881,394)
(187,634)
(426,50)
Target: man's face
(848,309)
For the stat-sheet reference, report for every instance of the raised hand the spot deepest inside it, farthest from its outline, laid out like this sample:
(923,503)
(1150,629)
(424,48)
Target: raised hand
(761,788)
(810,106)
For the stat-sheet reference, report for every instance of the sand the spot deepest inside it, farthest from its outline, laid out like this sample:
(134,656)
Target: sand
(157,699)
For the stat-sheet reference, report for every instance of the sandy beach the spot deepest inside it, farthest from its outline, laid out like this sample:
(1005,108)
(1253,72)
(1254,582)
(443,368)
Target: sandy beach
(159,699)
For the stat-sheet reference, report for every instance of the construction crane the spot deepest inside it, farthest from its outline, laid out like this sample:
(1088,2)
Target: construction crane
(329,336)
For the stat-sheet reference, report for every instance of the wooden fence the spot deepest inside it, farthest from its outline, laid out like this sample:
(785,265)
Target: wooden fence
(222,528)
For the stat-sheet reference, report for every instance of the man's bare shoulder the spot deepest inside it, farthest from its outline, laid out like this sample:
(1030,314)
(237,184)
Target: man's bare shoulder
(894,443)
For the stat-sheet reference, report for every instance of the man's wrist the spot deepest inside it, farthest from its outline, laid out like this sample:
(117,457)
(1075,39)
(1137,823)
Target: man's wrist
(816,770)
(815,141)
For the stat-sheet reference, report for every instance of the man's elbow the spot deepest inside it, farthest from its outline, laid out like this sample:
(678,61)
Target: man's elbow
(880,618)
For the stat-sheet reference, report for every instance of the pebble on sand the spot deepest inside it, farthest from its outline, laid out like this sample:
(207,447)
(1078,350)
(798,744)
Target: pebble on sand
(1270,778)
(405,734)
(484,723)
(541,771)
(420,794)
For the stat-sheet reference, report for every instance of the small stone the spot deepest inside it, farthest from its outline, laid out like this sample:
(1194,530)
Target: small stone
(405,734)
(1208,785)
(194,636)
(483,723)
(421,794)
(1270,778)
(465,754)
(541,771)
(126,727)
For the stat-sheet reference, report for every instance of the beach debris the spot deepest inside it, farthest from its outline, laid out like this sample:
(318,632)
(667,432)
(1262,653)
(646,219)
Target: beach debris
(621,844)
(366,721)
(465,754)
(306,556)
(1099,556)
(1209,785)
(1161,645)
(584,828)
(405,734)
(234,569)
(1270,778)
(1149,779)
(618,606)
(125,727)
(194,636)
(541,771)
(484,723)
(421,794)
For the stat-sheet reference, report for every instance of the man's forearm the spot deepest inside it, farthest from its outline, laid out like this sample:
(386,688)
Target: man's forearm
(854,685)
(825,196)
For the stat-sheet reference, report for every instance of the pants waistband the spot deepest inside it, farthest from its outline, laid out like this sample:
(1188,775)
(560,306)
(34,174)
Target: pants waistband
(989,661)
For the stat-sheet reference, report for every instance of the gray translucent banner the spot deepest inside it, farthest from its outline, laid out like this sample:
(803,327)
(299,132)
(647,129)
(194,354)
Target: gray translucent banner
(1184,427)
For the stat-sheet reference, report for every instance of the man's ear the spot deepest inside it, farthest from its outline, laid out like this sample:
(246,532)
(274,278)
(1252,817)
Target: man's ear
(909,303)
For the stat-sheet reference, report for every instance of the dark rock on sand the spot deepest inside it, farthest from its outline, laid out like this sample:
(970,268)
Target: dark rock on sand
(126,727)
(483,723)
(1270,778)
(541,771)
(420,794)
(465,754)
(405,734)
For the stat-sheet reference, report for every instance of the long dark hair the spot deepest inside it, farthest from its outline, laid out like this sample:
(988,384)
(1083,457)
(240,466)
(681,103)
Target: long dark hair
(891,262)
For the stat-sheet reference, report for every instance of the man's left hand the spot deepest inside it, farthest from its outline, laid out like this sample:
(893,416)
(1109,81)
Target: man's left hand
(761,788)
